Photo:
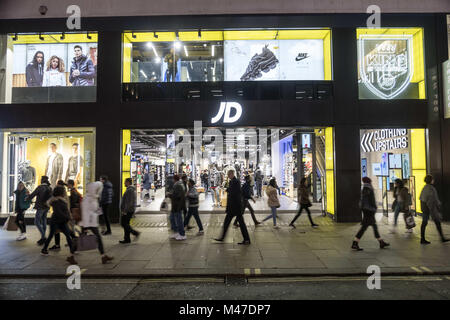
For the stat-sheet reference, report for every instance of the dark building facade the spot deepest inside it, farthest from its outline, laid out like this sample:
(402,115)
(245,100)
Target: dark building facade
(329,103)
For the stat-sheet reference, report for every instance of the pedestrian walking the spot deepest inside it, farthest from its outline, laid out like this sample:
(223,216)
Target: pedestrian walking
(105,203)
(272,201)
(304,201)
(21,205)
(234,209)
(246,197)
(193,207)
(42,193)
(401,202)
(369,208)
(258,182)
(178,198)
(146,186)
(91,209)
(127,208)
(57,245)
(60,217)
(431,206)
(186,189)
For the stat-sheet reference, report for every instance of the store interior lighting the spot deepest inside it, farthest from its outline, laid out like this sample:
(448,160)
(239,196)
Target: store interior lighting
(177,45)
(185,51)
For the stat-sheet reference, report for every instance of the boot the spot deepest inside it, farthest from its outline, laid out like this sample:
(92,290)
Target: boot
(106,258)
(355,246)
(383,244)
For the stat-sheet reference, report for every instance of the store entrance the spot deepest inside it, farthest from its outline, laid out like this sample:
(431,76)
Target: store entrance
(391,154)
(152,157)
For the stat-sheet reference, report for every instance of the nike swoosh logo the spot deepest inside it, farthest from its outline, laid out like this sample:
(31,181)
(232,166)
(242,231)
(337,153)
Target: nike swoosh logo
(300,58)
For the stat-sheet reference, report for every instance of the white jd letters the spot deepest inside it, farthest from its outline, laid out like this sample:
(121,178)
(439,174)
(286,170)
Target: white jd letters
(225,111)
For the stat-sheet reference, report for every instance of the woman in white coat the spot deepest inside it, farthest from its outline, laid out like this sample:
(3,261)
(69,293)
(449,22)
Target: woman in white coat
(90,210)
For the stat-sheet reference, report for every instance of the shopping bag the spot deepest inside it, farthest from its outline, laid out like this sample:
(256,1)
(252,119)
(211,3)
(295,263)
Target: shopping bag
(409,220)
(10,224)
(86,242)
(165,205)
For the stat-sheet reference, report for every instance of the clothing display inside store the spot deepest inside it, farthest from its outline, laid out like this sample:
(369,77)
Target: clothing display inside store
(153,153)
(57,155)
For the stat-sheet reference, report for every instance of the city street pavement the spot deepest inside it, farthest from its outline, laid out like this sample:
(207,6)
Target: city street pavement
(273,252)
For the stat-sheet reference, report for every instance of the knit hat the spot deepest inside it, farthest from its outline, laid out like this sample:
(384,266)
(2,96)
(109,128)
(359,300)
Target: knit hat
(366,180)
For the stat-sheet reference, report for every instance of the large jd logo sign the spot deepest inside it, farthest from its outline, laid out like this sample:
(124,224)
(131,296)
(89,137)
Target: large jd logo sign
(385,64)
(225,111)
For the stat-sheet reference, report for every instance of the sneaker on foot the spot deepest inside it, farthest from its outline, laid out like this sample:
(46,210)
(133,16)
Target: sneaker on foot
(180,238)
(136,236)
(355,246)
(174,235)
(44,252)
(106,258)
(423,241)
(292,225)
(189,227)
(40,242)
(314,225)
(71,260)
(55,247)
(409,230)
(445,240)
(200,233)
(124,241)
(21,237)
(383,244)
(245,242)
(276,227)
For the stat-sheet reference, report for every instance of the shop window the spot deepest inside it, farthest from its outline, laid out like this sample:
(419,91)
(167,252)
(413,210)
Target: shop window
(391,63)
(61,154)
(48,67)
(234,55)
(391,154)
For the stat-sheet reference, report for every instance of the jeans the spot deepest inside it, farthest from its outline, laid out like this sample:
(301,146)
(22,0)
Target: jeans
(40,221)
(105,216)
(193,211)
(258,188)
(173,222)
(215,195)
(20,220)
(273,215)
(64,229)
(303,206)
(145,192)
(242,226)
(368,220)
(99,238)
(246,204)
(126,226)
(425,218)
(397,211)
(176,221)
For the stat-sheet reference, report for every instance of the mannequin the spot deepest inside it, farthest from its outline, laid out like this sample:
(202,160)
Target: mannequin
(54,165)
(28,174)
(75,166)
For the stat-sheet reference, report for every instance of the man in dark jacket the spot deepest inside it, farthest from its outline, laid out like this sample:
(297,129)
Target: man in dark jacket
(246,197)
(146,185)
(34,72)
(42,194)
(105,202)
(82,71)
(178,197)
(128,207)
(258,182)
(234,208)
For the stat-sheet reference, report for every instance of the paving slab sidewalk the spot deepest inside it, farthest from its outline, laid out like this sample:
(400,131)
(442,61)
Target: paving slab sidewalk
(322,251)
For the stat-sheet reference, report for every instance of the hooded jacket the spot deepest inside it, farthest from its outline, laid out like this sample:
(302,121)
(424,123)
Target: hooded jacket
(90,209)
(107,193)
(234,197)
(87,72)
(178,197)
(303,195)
(368,202)
(430,198)
(272,193)
(60,207)
(128,204)
(22,202)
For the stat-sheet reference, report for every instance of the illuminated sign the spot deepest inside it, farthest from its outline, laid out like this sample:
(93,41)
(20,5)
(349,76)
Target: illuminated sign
(384,140)
(128,150)
(385,64)
(225,111)
(446,87)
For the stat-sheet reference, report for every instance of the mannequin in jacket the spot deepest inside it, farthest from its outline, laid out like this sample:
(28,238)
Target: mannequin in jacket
(54,165)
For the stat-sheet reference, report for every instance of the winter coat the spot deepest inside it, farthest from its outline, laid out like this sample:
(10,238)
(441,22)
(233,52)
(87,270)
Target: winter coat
(178,197)
(234,197)
(87,72)
(22,201)
(146,184)
(75,198)
(54,78)
(272,193)
(402,199)
(430,198)
(368,202)
(107,193)
(246,191)
(90,209)
(57,168)
(42,194)
(60,207)
(193,197)
(303,195)
(258,176)
(128,204)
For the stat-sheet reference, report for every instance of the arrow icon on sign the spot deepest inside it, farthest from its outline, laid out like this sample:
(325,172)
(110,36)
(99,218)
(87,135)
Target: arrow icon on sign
(362,143)
(369,142)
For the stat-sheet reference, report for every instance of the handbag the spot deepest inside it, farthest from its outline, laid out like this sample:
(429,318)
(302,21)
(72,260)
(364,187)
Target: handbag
(76,214)
(87,242)
(165,205)
(409,220)
(10,224)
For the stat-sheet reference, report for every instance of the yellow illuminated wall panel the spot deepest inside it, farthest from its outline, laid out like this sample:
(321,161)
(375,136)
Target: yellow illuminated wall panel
(126,160)
(329,168)
(418,162)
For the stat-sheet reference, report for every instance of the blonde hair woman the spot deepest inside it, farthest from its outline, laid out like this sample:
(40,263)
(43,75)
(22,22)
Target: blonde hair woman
(54,75)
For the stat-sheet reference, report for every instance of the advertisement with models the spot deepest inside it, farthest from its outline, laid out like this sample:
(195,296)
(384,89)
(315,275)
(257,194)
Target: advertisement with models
(247,60)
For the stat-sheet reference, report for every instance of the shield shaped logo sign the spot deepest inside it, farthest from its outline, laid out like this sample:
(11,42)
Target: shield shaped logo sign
(385,64)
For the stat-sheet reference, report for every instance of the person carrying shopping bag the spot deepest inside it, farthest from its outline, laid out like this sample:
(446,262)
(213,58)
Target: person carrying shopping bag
(273,201)
(21,205)
(90,210)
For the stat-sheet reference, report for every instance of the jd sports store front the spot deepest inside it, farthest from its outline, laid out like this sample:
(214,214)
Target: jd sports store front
(206,154)
(390,154)
(59,153)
